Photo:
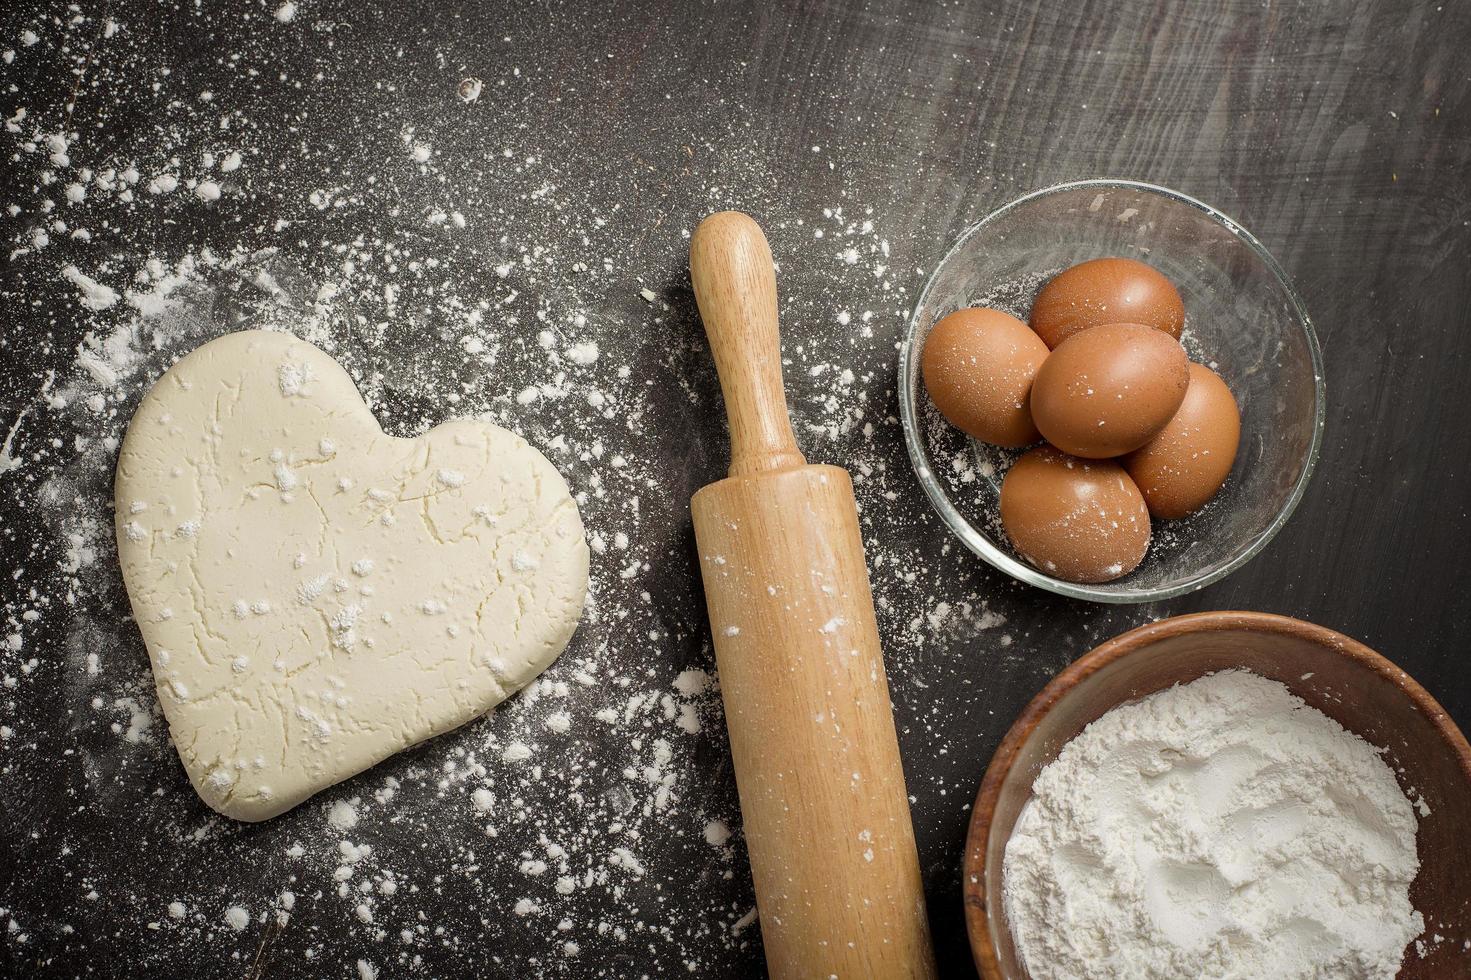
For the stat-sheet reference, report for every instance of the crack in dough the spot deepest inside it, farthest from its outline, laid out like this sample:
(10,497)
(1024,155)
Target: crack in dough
(463,606)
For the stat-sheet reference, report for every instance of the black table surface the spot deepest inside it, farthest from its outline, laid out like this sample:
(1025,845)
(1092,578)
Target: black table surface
(1339,133)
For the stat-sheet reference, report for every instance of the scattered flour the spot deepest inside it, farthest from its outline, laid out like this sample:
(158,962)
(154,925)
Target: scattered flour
(94,295)
(342,815)
(584,354)
(608,756)
(692,683)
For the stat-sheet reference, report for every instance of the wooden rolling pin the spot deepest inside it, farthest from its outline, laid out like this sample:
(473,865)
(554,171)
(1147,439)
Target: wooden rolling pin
(823,802)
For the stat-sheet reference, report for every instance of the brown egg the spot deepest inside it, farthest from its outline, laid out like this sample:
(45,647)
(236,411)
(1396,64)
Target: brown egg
(1109,390)
(1081,520)
(1180,470)
(978,365)
(1106,291)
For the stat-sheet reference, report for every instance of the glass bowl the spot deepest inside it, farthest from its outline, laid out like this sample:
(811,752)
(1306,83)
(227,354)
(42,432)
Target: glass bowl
(1243,319)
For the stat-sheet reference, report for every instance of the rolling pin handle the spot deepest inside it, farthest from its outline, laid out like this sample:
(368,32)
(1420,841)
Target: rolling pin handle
(735,287)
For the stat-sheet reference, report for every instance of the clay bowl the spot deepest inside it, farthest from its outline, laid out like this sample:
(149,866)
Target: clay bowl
(1350,683)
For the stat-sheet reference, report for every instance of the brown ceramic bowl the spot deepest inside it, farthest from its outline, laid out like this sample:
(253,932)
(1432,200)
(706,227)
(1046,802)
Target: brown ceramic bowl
(1350,683)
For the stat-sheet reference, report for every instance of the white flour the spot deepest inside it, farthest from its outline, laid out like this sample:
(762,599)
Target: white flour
(1218,829)
(496,274)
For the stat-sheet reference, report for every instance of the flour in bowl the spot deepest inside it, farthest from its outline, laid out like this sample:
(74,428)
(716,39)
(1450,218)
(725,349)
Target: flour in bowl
(1222,828)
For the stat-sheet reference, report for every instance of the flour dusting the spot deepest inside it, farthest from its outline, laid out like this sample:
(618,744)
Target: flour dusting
(462,259)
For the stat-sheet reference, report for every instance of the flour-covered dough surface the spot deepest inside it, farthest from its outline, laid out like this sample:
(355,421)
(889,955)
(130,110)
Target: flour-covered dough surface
(316,595)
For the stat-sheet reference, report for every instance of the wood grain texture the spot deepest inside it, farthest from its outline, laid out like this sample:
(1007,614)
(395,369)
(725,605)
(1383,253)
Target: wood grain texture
(823,802)
(1338,133)
(735,286)
(1335,674)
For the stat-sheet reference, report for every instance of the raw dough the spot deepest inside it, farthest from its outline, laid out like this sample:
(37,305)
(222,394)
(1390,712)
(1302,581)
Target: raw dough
(316,595)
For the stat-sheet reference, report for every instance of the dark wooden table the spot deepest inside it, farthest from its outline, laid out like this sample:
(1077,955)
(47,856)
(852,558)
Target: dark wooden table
(1340,133)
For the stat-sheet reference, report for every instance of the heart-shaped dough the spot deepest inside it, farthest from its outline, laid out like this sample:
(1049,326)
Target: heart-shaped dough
(316,595)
